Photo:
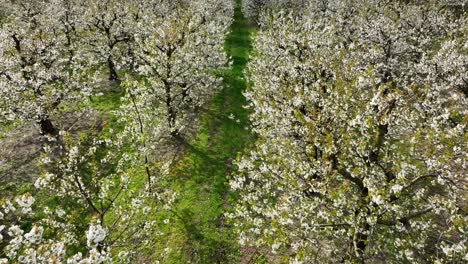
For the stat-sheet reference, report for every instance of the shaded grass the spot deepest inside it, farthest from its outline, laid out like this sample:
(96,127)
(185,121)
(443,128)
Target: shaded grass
(199,233)
(109,100)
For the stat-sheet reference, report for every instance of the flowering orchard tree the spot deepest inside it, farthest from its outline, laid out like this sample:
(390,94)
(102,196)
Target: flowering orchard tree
(110,26)
(254,9)
(52,53)
(178,48)
(38,65)
(97,210)
(35,243)
(177,55)
(360,114)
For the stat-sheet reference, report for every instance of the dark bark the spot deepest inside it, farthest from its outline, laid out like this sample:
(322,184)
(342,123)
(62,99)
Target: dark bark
(171,113)
(464,87)
(47,128)
(360,239)
(361,243)
(112,70)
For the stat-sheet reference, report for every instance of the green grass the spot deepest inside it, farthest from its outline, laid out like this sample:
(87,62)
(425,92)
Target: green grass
(198,233)
(7,127)
(109,100)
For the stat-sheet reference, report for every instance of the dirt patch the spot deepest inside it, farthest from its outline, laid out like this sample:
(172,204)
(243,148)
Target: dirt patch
(21,147)
(19,151)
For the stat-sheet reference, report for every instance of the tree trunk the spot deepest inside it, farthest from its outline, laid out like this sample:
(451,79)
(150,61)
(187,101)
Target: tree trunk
(112,71)
(47,128)
(360,244)
(171,122)
(171,114)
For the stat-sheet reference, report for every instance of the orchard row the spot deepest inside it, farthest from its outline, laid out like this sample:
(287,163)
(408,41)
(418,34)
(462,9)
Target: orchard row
(360,108)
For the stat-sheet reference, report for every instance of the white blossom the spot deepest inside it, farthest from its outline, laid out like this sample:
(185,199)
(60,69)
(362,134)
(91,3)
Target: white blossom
(95,234)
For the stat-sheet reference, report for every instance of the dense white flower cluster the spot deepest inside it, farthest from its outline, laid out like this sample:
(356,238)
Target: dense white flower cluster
(177,55)
(360,110)
(92,184)
(25,202)
(255,9)
(41,60)
(95,235)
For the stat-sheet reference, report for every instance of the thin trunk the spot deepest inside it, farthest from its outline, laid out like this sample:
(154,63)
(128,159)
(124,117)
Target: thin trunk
(140,121)
(361,237)
(112,71)
(171,114)
(360,243)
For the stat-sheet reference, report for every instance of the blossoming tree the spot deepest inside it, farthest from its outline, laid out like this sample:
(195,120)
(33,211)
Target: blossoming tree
(177,54)
(96,211)
(38,63)
(361,118)
(110,29)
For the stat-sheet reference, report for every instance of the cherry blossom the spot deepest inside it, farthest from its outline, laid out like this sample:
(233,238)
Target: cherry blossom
(359,108)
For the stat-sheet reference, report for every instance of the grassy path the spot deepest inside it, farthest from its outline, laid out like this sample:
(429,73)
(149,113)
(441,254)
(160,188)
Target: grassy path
(199,233)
